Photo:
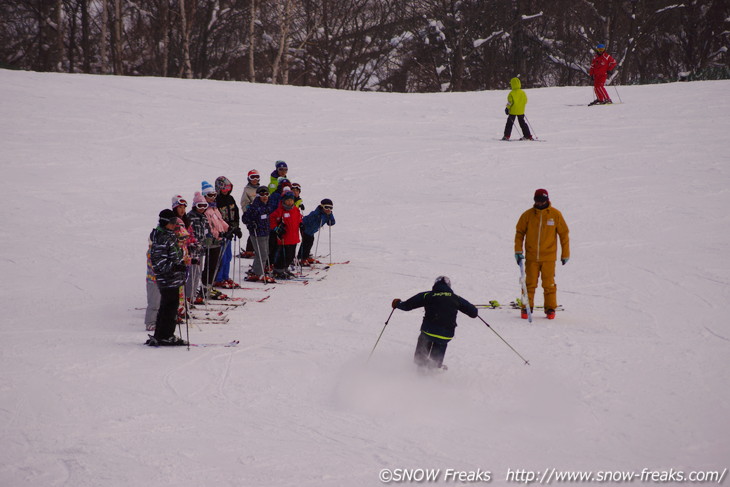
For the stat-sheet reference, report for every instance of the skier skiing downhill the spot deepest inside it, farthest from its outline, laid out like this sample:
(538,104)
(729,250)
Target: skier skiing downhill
(602,63)
(439,322)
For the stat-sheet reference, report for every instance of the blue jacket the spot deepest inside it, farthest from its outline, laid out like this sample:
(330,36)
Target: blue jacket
(441,305)
(316,220)
(256,218)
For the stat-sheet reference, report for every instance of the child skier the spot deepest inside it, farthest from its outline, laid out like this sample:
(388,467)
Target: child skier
(229,212)
(256,219)
(219,229)
(516,102)
(602,63)
(204,239)
(169,264)
(247,197)
(285,222)
(311,224)
(280,172)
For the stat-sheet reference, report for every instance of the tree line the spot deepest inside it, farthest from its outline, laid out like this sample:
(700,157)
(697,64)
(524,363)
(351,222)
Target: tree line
(380,45)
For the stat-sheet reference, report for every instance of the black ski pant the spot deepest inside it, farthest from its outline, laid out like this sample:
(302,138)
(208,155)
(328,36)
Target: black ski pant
(523,126)
(284,257)
(167,313)
(306,247)
(430,351)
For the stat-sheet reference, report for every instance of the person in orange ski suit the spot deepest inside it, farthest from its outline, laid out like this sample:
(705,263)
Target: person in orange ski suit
(539,229)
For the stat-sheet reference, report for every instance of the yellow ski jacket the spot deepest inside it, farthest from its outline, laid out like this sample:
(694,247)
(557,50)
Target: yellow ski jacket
(540,230)
(517,98)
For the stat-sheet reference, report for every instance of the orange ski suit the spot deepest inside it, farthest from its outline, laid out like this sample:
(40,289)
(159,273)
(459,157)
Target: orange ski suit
(539,231)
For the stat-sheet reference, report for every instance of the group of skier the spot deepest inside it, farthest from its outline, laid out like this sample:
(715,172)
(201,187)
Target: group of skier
(601,64)
(189,248)
(190,253)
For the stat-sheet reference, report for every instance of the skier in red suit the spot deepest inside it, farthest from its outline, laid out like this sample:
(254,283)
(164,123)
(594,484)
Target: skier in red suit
(601,65)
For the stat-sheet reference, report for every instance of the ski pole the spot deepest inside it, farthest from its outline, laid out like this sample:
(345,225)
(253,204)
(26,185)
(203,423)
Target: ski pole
(619,96)
(187,312)
(530,125)
(257,253)
(330,236)
(316,247)
(505,341)
(381,334)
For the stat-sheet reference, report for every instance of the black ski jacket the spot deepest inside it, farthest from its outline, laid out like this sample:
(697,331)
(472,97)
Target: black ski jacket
(229,209)
(441,306)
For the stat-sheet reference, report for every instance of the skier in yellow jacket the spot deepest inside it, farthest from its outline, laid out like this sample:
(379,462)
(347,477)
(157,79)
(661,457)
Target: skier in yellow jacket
(516,103)
(539,228)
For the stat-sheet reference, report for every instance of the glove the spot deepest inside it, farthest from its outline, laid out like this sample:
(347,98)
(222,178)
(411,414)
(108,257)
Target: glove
(301,207)
(565,261)
(280,230)
(395,303)
(519,256)
(237,232)
(506,111)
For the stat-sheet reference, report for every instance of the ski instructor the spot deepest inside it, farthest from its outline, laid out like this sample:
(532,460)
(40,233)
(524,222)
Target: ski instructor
(539,230)
(439,322)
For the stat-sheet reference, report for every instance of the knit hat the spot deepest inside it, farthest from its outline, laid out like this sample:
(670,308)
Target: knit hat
(600,47)
(166,216)
(178,200)
(281,164)
(326,202)
(282,183)
(198,198)
(206,188)
(288,195)
(443,279)
(223,184)
(262,190)
(296,186)
(253,172)
(541,195)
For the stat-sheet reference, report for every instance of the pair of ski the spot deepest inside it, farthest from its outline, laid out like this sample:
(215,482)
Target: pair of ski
(523,299)
(494,304)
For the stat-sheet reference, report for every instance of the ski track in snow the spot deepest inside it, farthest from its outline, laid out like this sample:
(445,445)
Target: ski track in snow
(632,374)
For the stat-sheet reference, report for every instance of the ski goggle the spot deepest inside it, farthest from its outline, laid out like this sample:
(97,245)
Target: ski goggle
(211,195)
(254,177)
(201,206)
(263,193)
(182,202)
(327,207)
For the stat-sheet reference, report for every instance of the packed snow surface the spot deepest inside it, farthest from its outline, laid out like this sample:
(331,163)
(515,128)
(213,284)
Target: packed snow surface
(632,375)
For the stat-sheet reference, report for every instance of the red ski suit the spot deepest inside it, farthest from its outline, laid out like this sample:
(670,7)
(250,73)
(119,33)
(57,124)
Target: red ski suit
(601,65)
(292,218)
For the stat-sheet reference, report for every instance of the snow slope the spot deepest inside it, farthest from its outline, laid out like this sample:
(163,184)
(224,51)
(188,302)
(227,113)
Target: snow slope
(634,374)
